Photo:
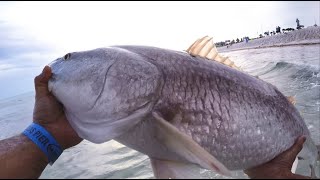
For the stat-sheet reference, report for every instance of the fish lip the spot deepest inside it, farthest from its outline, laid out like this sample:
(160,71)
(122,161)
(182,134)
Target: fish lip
(50,87)
(51,82)
(53,75)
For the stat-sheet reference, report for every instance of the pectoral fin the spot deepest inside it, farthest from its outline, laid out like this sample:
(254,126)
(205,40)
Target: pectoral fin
(186,147)
(164,169)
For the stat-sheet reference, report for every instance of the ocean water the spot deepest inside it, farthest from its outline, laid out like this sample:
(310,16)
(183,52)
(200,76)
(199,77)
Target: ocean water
(293,70)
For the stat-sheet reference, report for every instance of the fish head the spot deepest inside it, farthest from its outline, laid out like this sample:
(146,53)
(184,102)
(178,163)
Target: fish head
(77,78)
(100,90)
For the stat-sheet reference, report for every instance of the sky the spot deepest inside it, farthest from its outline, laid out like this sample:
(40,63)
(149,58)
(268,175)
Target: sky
(75,25)
(33,34)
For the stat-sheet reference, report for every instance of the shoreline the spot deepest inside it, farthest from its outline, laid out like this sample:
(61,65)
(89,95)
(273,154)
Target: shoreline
(306,36)
(270,46)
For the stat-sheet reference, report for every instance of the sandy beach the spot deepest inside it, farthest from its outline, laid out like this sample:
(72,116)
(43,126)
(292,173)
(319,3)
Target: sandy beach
(306,36)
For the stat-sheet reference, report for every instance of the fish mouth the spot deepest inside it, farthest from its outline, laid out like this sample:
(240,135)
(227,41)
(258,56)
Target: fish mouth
(54,65)
(53,74)
(51,82)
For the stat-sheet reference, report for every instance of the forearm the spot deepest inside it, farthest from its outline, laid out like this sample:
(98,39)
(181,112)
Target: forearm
(21,158)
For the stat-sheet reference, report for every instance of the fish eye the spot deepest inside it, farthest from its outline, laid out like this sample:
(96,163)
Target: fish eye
(67,56)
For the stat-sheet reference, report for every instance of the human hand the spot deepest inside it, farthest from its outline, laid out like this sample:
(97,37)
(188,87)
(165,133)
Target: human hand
(280,166)
(48,112)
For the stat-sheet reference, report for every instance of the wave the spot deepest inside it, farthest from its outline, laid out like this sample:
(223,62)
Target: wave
(292,70)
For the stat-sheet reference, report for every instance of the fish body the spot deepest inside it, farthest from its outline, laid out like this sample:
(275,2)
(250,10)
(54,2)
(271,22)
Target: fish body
(175,107)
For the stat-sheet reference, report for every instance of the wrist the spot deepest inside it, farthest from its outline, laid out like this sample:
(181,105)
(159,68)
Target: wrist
(66,137)
(57,135)
(62,131)
(44,141)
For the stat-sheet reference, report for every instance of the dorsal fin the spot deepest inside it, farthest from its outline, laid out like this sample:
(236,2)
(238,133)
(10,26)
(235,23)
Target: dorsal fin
(292,99)
(204,47)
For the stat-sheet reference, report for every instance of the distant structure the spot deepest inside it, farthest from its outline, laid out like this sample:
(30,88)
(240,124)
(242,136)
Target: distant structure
(220,44)
(246,39)
(287,30)
(298,24)
(278,29)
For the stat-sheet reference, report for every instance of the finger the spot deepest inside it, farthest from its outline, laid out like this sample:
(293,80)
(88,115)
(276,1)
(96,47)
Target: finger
(292,152)
(41,81)
(298,176)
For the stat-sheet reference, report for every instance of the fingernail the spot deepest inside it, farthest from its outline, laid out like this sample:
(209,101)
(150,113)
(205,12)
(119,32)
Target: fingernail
(304,138)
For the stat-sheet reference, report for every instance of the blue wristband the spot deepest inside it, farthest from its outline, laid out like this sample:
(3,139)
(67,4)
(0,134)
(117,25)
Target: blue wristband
(44,141)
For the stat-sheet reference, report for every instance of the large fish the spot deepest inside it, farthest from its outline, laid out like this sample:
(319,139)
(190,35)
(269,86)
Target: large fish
(181,109)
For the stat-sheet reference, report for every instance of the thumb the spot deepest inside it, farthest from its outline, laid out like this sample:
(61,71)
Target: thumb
(41,82)
(292,152)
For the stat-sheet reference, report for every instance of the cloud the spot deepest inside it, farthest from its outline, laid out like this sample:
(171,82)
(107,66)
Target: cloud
(21,59)
(18,49)
(6,67)
(14,41)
